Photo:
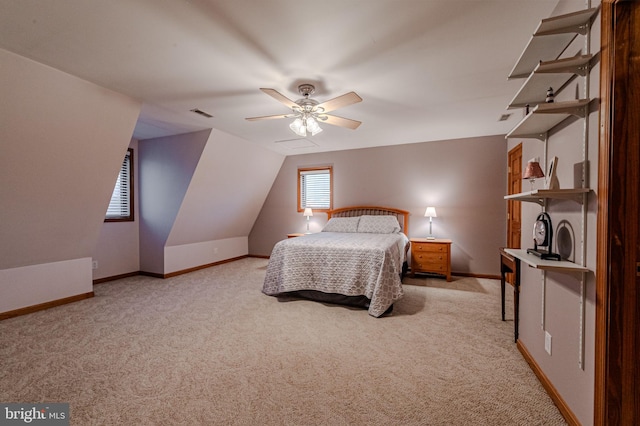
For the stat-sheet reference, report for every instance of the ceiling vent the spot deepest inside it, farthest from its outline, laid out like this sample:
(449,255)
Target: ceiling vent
(201,112)
(504,117)
(296,143)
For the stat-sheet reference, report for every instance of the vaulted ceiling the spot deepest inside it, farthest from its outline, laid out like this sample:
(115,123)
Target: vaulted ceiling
(425,69)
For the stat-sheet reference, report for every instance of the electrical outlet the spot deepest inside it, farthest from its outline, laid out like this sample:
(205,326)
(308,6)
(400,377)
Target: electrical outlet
(94,264)
(547,342)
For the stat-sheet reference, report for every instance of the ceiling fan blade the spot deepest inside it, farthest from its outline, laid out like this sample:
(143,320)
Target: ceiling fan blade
(339,102)
(342,122)
(270,117)
(280,98)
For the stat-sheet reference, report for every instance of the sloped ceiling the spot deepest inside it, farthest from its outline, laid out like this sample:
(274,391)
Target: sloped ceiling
(426,69)
(226,192)
(62,141)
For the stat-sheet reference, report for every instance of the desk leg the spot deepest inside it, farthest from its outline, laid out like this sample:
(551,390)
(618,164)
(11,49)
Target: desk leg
(516,300)
(502,284)
(507,264)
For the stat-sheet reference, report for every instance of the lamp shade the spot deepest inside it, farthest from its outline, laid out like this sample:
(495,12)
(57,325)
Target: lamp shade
(533,171)
(307,212)
(303,124)
(298,127)
(312,126)
(430,212)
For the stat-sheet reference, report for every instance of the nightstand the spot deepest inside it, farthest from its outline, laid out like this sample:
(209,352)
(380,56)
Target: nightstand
(432,256)
(297,234)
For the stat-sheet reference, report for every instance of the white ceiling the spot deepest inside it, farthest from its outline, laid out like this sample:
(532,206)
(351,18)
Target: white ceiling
(426,69)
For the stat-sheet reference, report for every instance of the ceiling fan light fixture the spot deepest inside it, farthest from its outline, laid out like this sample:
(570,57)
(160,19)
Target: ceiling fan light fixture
(298,127)
(312,126)
(309,112)
(306,123)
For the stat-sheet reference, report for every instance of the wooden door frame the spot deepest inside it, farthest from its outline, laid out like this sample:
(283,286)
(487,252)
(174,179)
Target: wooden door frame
(617,387)
(510,276)
(510,203)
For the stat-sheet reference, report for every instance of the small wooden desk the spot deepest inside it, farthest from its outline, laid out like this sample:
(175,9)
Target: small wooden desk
(510,263)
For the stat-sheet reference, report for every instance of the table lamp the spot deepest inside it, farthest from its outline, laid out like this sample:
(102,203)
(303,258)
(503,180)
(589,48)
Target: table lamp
(307,213)
(533,171)
(430,213)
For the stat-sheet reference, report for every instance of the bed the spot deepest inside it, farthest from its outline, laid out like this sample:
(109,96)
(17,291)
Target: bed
(358,259)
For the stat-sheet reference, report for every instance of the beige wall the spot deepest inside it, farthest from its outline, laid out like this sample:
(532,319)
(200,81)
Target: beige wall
(166,166)
(117,251)
(222,193)
(62,141)
(229,185)
(200,194)
(465,179)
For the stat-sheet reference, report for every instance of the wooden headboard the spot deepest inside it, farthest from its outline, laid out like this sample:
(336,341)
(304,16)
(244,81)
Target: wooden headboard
(402,215)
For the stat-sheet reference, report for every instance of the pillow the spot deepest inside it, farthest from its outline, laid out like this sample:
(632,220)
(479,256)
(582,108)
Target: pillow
(342,224)
(379,224)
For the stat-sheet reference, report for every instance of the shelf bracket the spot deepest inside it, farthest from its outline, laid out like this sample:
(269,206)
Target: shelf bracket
(578,198)
(582,29)
(579,29)
(582,71)
(539,201)
(579,111)
(540,136)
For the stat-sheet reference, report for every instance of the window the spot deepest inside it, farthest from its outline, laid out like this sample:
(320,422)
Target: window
(121,205)
(315,188)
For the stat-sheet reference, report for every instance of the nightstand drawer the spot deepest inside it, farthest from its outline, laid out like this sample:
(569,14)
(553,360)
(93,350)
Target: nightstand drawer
(431,267)
(430,258)
(430,247)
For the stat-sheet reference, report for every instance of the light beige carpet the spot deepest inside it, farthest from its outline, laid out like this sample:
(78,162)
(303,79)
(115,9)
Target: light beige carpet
(209,348)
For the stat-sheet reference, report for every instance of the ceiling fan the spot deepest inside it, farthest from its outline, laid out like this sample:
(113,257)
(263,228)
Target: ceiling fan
(307,112)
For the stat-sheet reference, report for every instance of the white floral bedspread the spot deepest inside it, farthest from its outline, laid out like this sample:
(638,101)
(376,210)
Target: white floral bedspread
(351,264)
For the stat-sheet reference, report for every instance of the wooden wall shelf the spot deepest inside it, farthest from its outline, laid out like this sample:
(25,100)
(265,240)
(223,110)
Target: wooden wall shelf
(547,265)
(545,117)
(540,195)
(550,39)
(553,74)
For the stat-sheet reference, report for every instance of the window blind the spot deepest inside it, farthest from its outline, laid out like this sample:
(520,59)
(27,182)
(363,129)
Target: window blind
(120,203)
(315,189)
